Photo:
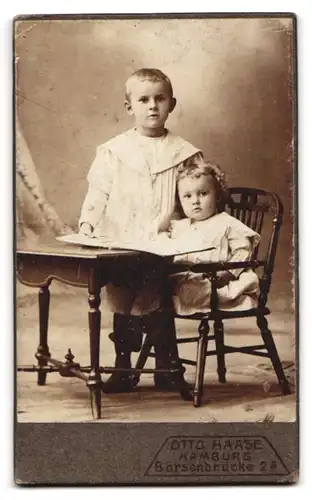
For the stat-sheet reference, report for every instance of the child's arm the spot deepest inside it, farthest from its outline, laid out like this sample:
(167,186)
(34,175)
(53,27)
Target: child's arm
(240,249)
(242,240)
(86,229)
(93,207)
(100,181)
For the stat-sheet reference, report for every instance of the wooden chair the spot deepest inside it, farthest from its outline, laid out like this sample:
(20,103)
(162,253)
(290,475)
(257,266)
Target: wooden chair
(263,212)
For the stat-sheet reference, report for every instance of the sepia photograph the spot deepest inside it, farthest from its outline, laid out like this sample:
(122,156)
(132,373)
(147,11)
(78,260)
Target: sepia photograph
(155,190)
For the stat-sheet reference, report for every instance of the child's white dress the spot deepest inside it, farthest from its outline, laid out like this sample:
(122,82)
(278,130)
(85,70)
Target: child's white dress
(131,196)
(132,185)
(233,242)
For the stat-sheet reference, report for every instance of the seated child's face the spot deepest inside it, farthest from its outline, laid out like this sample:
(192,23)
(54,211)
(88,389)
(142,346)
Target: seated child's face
(198,197)
(150,103)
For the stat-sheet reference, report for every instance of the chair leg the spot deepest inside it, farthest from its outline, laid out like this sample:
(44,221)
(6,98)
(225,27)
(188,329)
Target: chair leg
(200,363)
(272,351)
(219,339)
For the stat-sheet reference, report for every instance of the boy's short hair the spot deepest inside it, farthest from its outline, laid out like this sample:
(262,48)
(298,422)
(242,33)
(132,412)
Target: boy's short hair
(150,74)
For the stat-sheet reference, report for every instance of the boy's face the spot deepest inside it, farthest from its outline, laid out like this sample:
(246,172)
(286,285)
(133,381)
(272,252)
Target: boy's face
(198,197)
(150,104)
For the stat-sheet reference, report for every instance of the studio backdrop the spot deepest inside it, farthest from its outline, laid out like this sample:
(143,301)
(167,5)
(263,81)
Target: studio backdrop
(233,80)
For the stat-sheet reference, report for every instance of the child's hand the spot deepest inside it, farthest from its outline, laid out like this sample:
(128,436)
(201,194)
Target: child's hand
(86,229)
(223,278)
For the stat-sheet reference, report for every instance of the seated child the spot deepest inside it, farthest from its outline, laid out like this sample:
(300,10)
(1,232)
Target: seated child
(132,192)
(201,190)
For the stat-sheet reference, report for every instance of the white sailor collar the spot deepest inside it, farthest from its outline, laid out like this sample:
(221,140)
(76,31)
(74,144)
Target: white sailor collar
(130,145)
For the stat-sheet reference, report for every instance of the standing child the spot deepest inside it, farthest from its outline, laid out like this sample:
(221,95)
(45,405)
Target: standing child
(132,189)
(201,191)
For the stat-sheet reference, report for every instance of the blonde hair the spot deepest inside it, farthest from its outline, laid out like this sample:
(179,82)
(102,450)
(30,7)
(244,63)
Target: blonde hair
(198,167)
(150,74)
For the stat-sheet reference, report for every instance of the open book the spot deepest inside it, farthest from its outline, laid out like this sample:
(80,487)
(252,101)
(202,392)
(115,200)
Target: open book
(161,245)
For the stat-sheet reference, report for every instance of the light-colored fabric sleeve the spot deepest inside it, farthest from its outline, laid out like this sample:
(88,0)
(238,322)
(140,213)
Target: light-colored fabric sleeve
(174,229)
(100,179)
(240,255)
(242,241)
(169,232)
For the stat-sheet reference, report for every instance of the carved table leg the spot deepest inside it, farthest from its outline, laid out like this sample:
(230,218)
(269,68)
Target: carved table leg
(95,382)
(43,348)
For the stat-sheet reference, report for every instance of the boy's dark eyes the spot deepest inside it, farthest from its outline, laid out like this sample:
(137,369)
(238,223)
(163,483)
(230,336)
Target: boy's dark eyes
(157,98)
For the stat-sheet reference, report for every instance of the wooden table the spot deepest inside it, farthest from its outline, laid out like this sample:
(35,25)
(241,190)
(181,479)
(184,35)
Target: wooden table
(87,268)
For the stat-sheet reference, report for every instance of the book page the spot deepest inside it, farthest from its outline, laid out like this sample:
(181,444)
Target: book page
(162,245)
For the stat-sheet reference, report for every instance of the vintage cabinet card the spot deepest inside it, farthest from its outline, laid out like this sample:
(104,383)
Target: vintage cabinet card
(155,163)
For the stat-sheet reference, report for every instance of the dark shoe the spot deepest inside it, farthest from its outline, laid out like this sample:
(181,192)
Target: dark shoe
(174,383)
(166,354)
(166,382)
(118,383)
(169,382)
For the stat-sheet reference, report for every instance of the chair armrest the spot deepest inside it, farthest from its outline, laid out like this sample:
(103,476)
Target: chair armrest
(212,268)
